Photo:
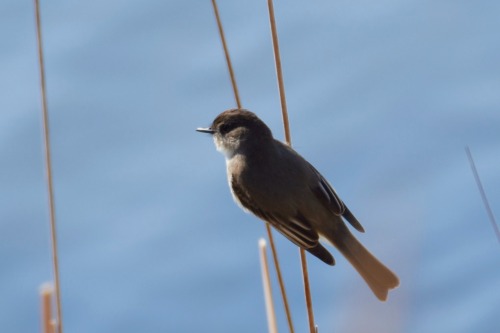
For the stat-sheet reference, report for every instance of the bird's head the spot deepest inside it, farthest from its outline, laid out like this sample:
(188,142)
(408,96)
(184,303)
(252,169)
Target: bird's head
(236,129)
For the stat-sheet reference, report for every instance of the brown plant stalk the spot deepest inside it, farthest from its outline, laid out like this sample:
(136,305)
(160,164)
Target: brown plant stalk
(48,169)
(281,86)
(266,282)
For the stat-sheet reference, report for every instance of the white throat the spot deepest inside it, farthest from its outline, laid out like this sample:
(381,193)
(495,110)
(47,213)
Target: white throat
(228,152)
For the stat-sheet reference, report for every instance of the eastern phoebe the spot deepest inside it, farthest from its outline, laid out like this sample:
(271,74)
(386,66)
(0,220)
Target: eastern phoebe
(272,181)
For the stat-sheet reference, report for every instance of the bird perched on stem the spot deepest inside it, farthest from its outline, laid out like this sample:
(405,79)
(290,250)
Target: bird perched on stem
(272,181)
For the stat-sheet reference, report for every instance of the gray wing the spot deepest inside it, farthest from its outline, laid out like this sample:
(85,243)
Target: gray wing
(330,199)
(296,228)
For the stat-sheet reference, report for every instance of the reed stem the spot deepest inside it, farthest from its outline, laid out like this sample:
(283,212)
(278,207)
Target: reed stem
(48,169)
(288,139)
(226,54)
(266,282)
(479,184)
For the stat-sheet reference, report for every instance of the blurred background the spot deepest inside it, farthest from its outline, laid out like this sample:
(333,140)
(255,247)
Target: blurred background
(383,98)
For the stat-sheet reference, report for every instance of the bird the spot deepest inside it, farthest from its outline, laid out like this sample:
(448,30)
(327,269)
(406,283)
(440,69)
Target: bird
(272,181)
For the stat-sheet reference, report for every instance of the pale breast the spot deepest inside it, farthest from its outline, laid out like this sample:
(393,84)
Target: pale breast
(232,166)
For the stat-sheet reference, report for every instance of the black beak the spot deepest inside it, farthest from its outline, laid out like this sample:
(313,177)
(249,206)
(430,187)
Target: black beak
(205,130)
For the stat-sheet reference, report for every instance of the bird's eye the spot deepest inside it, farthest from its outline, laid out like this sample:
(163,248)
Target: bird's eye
(224,128)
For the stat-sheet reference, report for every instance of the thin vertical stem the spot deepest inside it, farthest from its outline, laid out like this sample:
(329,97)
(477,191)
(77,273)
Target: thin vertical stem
(48,168)
(226,53)
(483,193)
(46,292)
(279,72)
(266,282)
(280,279)
(288,139)
(307,291)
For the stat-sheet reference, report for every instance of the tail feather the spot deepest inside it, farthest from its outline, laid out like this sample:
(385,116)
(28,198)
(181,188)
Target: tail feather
(379,278)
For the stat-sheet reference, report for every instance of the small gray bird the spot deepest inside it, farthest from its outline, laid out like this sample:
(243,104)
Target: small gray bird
(272,181)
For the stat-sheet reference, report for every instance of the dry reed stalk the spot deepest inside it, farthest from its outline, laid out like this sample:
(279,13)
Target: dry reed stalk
(279,72)
(46,295)
(266,282)
(483,193)
(268,228)
(48,169)
(281,86)
(307,291)
(280,279)
(226,53)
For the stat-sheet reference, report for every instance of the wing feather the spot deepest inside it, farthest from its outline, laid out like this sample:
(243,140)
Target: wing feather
(330,199)
(297,229)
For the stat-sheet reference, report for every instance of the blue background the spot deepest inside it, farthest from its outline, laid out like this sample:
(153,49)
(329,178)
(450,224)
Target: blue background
(383,97)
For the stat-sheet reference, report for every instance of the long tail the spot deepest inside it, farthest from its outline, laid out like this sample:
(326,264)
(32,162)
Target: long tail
(379,278)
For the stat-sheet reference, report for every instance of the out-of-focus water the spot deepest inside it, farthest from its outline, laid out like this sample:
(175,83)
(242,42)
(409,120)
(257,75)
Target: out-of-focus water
(383,97)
